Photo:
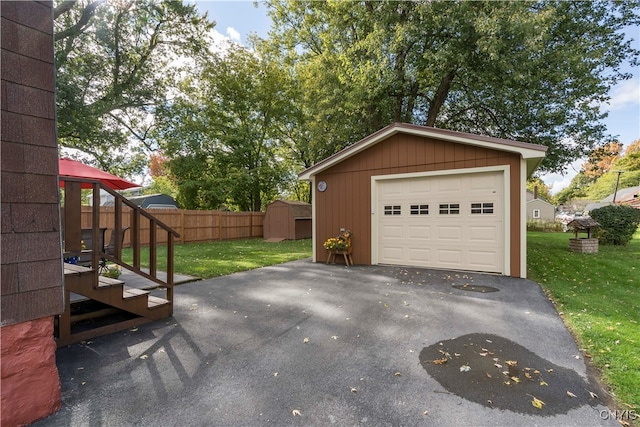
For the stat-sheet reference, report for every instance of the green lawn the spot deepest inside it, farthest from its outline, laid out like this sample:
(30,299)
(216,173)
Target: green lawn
(211,259)
(598,295)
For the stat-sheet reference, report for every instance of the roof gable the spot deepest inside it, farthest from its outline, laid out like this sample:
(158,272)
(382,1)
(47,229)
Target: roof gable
(539,200)
(532,153)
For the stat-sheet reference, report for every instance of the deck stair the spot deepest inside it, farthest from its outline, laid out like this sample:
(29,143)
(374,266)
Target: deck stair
(96,305)
(118,307)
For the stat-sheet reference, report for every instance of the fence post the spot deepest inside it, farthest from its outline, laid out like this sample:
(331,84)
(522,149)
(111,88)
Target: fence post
(182,238)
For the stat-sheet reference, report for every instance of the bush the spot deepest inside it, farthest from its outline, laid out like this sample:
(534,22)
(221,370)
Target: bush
(617,224)
(545,226)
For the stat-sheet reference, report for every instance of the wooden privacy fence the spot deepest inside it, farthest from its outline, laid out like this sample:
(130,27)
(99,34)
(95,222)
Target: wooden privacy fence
(193,225)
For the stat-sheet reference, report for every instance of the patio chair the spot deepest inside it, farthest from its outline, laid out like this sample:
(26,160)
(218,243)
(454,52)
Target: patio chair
(87,240)
(110,249)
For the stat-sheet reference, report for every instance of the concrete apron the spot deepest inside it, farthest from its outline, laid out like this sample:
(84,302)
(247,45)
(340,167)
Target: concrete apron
(315,344)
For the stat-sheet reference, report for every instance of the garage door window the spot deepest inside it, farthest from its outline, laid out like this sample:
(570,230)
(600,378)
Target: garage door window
(392,210)
(419,210)
(449,208)
(482,208)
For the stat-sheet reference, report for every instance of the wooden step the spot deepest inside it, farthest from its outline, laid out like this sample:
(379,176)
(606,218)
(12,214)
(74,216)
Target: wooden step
(156,302)
(105,282)
(137,306)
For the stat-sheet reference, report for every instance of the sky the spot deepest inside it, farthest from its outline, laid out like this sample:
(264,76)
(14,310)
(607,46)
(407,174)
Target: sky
(235,20)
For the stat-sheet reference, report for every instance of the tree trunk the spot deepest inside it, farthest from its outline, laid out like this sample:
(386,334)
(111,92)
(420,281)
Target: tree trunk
(440,96)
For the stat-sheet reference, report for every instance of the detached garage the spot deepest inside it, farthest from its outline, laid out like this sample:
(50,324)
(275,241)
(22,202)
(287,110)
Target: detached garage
(427,197)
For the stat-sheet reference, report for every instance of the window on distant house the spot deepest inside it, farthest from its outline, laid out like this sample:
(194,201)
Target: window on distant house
(536,213)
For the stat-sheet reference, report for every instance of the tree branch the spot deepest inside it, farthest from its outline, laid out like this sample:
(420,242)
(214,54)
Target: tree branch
(87,13)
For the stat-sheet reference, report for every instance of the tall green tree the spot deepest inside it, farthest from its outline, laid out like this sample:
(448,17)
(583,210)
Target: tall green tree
(222,136)
(530,71)
(115,62)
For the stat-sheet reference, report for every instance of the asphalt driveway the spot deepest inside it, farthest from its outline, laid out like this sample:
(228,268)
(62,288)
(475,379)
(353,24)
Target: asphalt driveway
(315,344)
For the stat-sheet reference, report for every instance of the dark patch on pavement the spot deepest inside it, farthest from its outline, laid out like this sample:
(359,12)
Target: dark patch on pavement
(499,373)
(476,288)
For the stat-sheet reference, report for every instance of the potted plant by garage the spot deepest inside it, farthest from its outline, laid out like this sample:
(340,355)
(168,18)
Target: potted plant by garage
(335,244)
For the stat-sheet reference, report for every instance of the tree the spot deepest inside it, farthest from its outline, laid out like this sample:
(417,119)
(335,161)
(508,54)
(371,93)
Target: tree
(601,159)
(576,189)
(536,184)
(529,71)
(221,135)
(116,61)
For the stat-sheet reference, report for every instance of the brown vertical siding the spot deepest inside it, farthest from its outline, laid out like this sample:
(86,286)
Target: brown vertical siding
(347,201)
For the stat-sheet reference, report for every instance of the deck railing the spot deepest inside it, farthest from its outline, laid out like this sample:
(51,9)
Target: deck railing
(73,245)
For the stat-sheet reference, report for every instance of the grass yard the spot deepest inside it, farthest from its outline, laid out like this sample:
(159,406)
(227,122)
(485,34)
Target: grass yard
(211,259)
(598,295)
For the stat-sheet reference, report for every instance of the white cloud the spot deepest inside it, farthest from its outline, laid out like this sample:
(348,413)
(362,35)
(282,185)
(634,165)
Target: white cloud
(625,95)
(559,181)
(234,34)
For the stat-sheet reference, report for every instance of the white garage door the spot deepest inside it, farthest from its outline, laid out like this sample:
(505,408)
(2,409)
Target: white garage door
(447,221)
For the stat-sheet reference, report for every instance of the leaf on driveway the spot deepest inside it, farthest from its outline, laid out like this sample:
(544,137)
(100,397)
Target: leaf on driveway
(440,361)
(354,390)
(465,368)
(335,337)
(593,395)
(543,382)
(398,374)
(306,340)
(296,413)
(537,403)
(570,394)
(144,356)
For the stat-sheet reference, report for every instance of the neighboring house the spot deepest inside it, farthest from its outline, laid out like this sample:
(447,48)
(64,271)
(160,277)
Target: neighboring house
(155,201)
(426,197)
(32,274)
(538,208)
(625,196)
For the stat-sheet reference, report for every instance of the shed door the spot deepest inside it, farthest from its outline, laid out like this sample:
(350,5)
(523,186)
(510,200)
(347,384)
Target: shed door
(446,221)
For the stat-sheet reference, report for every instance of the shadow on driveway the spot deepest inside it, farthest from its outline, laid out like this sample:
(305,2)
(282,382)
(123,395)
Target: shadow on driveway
(314,344)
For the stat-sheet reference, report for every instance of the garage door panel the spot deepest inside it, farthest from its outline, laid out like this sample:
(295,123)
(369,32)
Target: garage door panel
(417,189)
(393,188)
(483,233)
(419,232)
(450,233)
(451,185)
(483,260)
(419,256)
(422,234)
(490,182)
(393,255)
(449,257)
(392,232)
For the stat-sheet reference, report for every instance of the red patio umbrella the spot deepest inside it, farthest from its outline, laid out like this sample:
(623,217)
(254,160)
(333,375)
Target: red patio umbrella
(75,169)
